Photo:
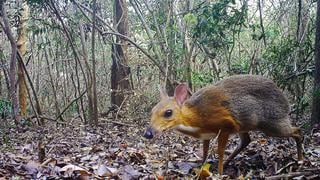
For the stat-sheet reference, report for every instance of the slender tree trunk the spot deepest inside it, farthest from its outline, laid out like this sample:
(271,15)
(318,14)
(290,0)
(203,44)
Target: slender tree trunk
(52,5)
(80,105)
(13,63)
(88,71)
(6,76)
(315,117)
(120,71)
(38,74)
(303,18)
(171,64)
(38,108)
(22,48)
(56,104)
(94,83)
(2,65)
(188,45)
(261,23)
(76,89)
(299,18)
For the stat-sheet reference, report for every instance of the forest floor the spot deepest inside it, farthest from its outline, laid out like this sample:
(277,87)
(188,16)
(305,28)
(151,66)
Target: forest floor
(118,151)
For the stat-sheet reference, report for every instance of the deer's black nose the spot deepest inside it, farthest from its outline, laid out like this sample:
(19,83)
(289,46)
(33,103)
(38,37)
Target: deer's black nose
(148,134)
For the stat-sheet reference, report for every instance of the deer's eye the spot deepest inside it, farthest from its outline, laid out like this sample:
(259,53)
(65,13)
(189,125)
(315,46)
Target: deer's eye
(168,113)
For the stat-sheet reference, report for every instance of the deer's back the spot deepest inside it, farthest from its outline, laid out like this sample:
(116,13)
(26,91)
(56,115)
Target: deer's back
(255,101)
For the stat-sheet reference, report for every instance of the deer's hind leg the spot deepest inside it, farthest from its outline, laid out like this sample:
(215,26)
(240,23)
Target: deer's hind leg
(296,134)
(244,142)
(284,129)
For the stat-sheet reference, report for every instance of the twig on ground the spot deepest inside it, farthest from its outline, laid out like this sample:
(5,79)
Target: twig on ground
(285,167)
(121,107)
(118,123)
(67,107)
(167,162)
(48,161)
(289,175)
(47,118)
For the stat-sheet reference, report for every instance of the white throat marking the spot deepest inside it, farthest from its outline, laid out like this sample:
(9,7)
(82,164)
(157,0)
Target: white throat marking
(186,128)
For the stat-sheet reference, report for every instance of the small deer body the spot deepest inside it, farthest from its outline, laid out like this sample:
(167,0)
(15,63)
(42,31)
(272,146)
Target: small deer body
(237,104)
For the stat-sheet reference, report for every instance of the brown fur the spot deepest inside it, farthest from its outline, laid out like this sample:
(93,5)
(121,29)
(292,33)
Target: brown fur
(257,104)
(237,104)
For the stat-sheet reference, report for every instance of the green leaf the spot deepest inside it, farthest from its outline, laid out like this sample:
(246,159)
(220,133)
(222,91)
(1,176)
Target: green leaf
(190,19)
(35,1)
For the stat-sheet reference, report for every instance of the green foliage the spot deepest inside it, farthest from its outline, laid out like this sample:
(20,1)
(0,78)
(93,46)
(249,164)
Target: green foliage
(5,126)
(35,1)
(74,107)
(41,26)
(5,140)
(201,78)
(170,28)
(272,32)
(254,35)
(223,27)
(275,59)
(306,125)
(160,16)
(190,19)
(305,101)
(240,67)
(5,108)
(316,93)
(32,2)
(216,23)
(5,130)
(278,57)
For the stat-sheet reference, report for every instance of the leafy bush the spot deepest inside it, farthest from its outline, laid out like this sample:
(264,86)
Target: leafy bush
(5,108)
(216,22)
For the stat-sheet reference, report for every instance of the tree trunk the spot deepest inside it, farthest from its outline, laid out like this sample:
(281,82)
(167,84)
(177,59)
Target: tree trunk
(120,71)
(55,97)
(315,117)
(88,71)
(188,45)
(13,63)
(1,62)
(298,84)
(94,83)
(52,5)
(261,23)
(22,48)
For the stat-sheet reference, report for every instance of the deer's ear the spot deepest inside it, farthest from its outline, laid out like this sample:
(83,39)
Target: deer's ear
(163,93)
(181,93)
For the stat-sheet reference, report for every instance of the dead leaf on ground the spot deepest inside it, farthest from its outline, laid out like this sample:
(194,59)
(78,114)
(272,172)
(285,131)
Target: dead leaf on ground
(130,173)
(32,167)
(70,170)
(106,171)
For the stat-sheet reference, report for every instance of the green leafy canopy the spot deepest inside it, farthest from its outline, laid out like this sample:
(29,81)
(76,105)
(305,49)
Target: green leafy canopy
(216,23)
